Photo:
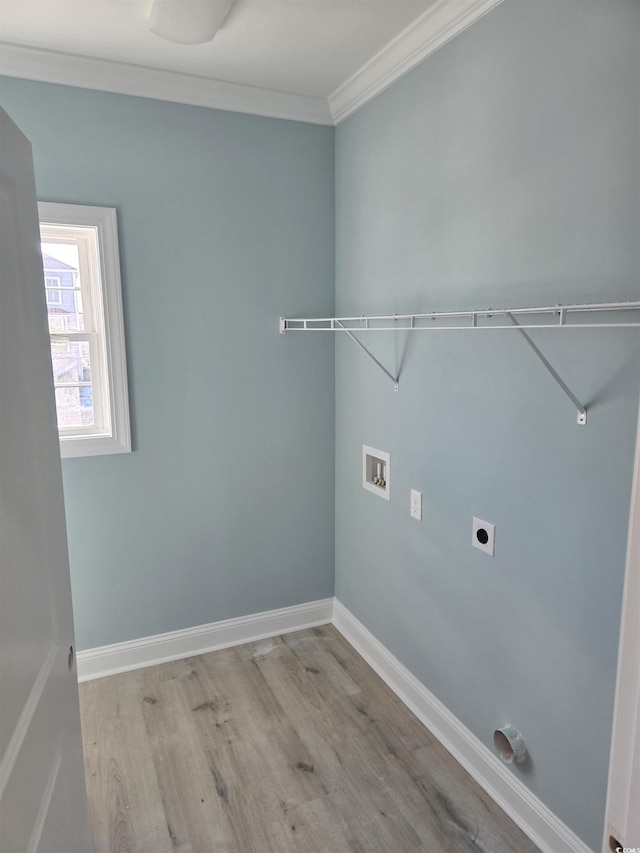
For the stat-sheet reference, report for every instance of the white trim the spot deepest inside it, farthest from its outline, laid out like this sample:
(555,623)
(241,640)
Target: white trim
(149,651)
(106,76)
(438,25)
(622,815)
(523,807)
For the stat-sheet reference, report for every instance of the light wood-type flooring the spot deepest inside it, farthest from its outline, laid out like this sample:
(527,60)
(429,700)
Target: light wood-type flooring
(288,744)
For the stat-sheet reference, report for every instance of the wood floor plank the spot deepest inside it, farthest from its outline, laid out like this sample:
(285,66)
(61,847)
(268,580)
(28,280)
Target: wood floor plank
(450,807)
(321,658)
(337,757)
(249,737)
(286,745)
(125,806)
(189,791)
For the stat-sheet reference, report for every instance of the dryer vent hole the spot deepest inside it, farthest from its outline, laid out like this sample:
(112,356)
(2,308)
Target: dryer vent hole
(503,747)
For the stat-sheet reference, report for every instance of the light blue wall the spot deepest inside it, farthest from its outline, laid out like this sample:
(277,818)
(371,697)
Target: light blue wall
(226,222)
(502,171)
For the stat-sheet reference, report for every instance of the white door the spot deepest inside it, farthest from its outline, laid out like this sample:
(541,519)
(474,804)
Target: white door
(42,794)
(622,827)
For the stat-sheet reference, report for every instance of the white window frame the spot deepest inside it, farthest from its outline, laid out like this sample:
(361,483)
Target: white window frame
(109,365)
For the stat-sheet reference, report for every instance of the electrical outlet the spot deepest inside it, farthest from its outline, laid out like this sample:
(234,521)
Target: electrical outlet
(416,505)
(483,536)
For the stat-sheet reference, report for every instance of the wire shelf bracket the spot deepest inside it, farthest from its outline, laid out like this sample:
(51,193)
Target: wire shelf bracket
(582,412)
(393,378)
(600,315)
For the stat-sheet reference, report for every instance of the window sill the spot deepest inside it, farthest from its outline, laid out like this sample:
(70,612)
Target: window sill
(100,445)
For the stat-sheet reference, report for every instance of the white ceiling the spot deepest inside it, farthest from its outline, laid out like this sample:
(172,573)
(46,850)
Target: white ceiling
(316,60)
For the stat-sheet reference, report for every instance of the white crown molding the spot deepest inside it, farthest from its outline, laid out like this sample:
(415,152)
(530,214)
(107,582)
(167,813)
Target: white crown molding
(439,24)
(535,819)
(124,79)
(174,645)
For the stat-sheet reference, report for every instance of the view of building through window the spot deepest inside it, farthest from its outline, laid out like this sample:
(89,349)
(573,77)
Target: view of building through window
(70,356)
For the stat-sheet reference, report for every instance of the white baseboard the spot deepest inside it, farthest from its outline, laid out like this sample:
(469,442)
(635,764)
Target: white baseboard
(148,651)
(523,807)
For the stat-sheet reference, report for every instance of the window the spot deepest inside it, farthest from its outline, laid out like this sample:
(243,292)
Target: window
(84,308)
(52,286)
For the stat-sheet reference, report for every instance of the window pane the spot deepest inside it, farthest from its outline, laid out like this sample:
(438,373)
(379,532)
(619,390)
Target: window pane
(72,364)
(74,407)
(61,263)
(71,361)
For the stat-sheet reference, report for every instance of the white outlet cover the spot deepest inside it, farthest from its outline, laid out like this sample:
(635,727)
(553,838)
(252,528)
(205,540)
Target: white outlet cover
(483,536)
(415,505)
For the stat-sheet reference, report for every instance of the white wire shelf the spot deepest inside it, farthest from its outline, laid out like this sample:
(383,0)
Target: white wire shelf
(595,315)
(556,316)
